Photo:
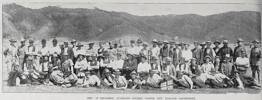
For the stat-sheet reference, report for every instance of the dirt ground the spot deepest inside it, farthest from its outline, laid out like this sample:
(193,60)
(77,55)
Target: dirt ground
(56,89)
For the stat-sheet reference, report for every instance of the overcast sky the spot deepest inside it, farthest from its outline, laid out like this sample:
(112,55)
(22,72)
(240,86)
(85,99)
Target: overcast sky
(149,8)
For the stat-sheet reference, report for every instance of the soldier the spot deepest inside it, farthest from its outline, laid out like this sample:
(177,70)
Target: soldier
(100,52)
(144,51)
(176,54)
(255,56)
(209,51)
(66,50)
(196,52)
(139,44)
(130,64)
(119,82)
(134,50)
(202,52)
(225,51)
(11,56)
(186,53)
(155,50)
(237,50)
(216,48)
(55,49)
(73,43)
(21,53)
(164,51)
(78,51)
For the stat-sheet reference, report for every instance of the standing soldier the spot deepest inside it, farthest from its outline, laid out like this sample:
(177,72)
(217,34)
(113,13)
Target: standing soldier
(100,52)
(21,53)
(133,50)
(66,50)
(255,56)
(55,49)
(11,56)
(78,50)
(237,50)
(155,50)
(216,48)
(176,55)
(225,51)
(209,51)
(144,51)
(91,51)
(44,50)
(186,53)
(164,52)
(197,52)
(73,43)
(202,53)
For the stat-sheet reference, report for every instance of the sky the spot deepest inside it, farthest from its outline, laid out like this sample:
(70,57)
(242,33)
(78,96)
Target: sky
(152,7)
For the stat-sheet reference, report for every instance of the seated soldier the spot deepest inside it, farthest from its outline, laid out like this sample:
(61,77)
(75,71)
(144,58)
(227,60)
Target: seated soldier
(94,65)
(183,75)
(130,64)
(134,82)
(68,74)
(153,80)
(45,67)
(242,64)
(155,65)
(107,79)
(167,83)
(143,67)
(195,74)
(210,76)
(91,80)
(31,70)
(119,82)
(81,64)
(118,63)
(221,80)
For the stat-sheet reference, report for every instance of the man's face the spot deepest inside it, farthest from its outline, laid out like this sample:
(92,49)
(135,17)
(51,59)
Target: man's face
(66,45)
(54,43)
(207,60)
(22,43)
(216,44)
(143,59)
(196,45)
(133,76)
(168,62)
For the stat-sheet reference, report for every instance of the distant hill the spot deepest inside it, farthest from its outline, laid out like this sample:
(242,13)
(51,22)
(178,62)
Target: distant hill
(97,24)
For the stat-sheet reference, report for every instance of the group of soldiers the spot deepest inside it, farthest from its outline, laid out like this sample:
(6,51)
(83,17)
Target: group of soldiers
(163,65)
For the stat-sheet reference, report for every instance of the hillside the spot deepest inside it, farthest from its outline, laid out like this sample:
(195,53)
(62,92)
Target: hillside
(97,24)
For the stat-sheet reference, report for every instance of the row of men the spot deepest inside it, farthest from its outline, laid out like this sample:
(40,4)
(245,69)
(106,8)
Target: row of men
(66,64)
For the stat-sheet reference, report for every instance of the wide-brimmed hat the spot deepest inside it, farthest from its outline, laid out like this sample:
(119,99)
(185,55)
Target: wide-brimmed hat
(225,41)
(208,42)
(207,57)
(165,42)
(202,44)
(22,40)
(132,41)
(168,59)
(145,44)
(79,45)
(139,41)
(12,40)
(154,41)
(153,71)
(73,41)
(255,41)
(133,73)
(117,71)
(240,40)
(217,42)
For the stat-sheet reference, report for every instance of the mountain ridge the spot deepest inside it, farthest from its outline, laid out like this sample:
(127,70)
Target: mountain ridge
(96,24)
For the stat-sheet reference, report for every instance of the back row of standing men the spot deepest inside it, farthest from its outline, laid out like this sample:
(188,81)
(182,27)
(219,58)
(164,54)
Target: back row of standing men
(73,62)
